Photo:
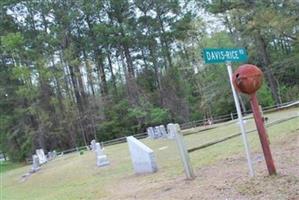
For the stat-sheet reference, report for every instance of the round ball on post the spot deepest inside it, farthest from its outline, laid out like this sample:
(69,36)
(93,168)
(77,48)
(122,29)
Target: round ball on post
(248,78)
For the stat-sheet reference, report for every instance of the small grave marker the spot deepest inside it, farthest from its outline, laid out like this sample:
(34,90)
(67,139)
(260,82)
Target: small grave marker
(150,132)
(163,131)
(41,156)
(157,132)
(92,145)
(102,159)
(35,163)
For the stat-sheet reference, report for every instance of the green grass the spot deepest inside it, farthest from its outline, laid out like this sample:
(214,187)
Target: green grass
(7,165)
(75,176)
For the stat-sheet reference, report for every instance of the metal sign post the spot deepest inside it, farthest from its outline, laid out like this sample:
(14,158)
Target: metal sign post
(240,118)
(228,55)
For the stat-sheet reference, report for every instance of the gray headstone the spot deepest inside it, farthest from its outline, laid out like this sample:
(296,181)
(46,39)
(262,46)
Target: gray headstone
(157,132)
(102,159)
(41,156)
(50,155)
(170,134)
(163,131)
(54,153)
(35,163)
(150,132)
(93,145)
(2,157)
(98,149)
(142,157)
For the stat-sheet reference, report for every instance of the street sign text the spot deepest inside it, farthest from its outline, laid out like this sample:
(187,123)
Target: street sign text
(224,55)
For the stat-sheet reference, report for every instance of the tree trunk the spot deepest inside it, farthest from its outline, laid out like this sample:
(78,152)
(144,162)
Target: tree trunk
(101,71)
(79,101)
(165,47)
(157,75)
(130,68)
(98,55)
(262,47)
(89,72)
(111,72)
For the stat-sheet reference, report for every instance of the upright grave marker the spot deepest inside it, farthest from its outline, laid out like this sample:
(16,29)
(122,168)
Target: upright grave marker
(54,153)
(41,156)
(35,163)
(93,145)
(175,130)
(143,158)
(226,55)
(157,132)
(163,131)
(50,155)
(150,132)
(102,159)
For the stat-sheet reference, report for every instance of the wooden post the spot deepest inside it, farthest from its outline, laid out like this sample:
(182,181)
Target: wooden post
(262,134)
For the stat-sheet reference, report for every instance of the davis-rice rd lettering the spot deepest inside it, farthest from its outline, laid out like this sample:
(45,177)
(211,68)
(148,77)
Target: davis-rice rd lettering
(224,55)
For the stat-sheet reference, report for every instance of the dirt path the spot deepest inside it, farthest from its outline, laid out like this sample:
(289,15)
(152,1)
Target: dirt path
(227,179)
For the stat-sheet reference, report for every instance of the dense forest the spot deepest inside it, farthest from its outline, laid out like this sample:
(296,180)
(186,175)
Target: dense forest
(72,71)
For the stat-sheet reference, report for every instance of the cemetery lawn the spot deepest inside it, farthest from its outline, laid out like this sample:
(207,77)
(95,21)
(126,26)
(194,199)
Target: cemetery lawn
(221,169)
(7,165)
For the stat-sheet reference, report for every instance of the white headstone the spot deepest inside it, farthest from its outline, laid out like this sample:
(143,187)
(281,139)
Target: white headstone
(170,134)
(93,145)
(50,155)
(98,149)
(102,159)
(35,163)
(150,132)
(142,157)
(54,153)
(41,156)
(157,133)
(163,131)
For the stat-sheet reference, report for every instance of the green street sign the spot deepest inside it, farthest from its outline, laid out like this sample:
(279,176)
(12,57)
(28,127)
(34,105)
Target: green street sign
(224,55)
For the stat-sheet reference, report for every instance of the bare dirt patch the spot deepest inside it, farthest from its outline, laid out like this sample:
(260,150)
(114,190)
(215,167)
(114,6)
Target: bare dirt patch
(227,179)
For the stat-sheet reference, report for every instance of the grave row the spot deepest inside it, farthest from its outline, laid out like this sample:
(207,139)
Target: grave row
(39,158)
(142,157)
(159,132)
